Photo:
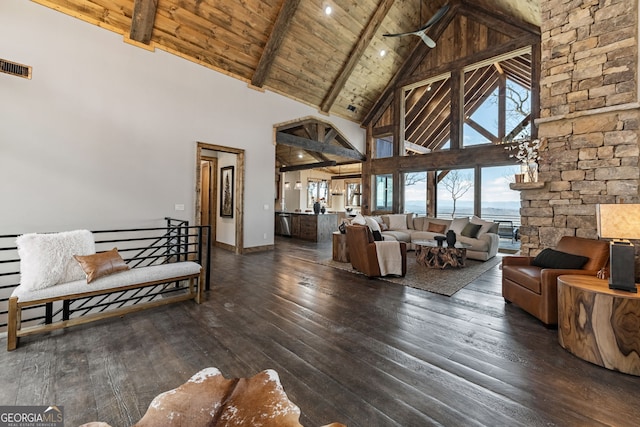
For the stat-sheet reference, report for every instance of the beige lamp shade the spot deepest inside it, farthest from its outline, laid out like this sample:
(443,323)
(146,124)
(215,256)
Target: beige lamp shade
(618,221)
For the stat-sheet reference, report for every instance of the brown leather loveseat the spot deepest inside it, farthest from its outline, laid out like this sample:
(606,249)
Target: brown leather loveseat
(363,254)
(531,285)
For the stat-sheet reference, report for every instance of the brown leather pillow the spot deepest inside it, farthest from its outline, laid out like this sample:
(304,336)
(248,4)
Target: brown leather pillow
(437,228)
(101,264)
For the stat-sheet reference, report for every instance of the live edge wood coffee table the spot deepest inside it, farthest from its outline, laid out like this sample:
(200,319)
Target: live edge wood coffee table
(429,254)
(598,324)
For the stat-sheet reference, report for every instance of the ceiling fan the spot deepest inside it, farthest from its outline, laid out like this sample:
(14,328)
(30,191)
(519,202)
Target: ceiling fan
(421,32)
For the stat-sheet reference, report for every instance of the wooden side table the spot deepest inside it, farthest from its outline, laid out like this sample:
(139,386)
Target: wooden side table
(598,324)
(340,248)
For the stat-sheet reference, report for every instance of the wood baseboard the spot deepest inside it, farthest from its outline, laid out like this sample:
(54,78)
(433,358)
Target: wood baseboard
(262,248)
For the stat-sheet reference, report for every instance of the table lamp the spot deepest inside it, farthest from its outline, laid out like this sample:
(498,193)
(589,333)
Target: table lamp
(620,222)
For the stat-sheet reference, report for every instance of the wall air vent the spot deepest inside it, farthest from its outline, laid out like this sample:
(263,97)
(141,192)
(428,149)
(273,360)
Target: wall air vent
(15,69)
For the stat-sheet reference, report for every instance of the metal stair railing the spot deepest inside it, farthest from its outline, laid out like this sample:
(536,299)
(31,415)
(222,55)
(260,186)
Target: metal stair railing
(178,241)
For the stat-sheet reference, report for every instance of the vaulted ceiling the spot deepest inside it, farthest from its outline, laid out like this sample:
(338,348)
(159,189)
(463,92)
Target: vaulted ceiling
(292,47)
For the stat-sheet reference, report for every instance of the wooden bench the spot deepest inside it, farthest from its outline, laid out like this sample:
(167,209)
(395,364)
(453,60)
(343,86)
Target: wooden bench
(75,277)
(135,278)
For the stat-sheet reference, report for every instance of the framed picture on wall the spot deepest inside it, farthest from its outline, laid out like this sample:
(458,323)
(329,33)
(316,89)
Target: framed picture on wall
(226,191)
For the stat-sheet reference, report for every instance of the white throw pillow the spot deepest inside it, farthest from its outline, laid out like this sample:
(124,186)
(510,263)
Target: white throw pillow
(358,219)
(372,223)
(486,225)
(397,222)
(381,223)
(47,259)
(458,224)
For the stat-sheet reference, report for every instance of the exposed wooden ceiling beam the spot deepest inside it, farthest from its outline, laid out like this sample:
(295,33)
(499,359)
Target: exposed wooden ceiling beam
(309,145)
(308,166)
(315,131)
(357,52)
(416,148)
(331,135)
(270,52)
(144,16)
(352,176)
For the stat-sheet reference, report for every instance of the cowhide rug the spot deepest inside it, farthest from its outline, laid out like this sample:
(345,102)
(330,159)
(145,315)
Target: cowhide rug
(209,399)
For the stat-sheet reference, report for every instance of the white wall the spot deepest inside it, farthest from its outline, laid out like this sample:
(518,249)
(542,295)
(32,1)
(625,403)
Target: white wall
(105,133)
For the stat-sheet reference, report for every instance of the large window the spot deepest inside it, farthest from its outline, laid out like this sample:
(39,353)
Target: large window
(498,201)
(384,192)
(455,193)
(497,100)
(317,191)
(383,147)
(354,193)
(427,116)
(415,193)
(496,106)
(518,111)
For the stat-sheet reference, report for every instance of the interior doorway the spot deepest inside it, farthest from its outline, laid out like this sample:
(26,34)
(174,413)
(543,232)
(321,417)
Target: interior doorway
(211,162)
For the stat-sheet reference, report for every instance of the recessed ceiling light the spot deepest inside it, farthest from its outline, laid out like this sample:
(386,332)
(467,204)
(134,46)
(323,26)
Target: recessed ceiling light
(300,155)
(328,10)
(383,52)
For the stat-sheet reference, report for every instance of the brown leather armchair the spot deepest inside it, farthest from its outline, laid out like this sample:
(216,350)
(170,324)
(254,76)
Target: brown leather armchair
(363,254)
(535,289)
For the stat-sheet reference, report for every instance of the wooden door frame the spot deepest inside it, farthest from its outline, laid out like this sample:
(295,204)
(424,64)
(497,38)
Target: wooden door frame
(213,186)
(238,217)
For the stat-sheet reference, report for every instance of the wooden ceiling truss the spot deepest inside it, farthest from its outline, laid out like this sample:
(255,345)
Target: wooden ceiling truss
(436,92)
(311,143)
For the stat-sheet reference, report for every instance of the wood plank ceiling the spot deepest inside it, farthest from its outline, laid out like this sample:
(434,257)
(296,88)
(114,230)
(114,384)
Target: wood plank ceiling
(291,47)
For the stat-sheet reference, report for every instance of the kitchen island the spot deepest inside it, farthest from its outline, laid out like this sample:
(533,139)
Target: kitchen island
(306,225)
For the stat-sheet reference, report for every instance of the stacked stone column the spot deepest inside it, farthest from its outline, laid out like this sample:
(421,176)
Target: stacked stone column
(589,118)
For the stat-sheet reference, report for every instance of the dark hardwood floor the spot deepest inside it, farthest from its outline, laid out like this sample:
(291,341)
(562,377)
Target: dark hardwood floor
(349,349)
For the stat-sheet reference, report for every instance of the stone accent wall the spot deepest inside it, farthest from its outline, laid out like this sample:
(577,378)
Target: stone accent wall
(589,118)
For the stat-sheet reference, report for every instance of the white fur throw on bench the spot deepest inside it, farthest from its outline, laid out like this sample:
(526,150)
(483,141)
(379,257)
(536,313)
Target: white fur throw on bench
(64,266)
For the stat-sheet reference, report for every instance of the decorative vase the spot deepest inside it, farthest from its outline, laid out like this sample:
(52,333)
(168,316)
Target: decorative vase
(531,172)
(451,238)
(322,210)
(316,208)
(519,178)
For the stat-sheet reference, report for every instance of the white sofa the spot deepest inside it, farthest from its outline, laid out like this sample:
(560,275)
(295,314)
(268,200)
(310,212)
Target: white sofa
(409,228)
